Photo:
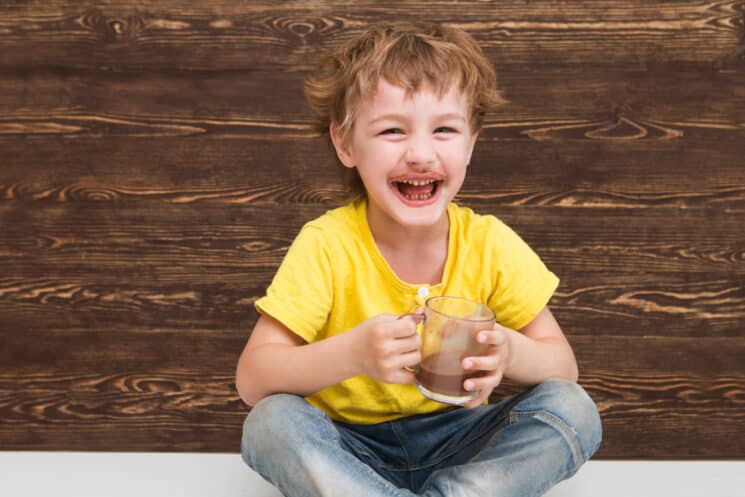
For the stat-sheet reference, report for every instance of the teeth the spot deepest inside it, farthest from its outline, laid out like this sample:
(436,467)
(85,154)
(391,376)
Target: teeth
(417,182)
(420,196)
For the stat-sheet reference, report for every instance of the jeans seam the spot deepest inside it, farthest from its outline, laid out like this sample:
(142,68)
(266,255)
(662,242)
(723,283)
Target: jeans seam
(395,430)
(372,454)
(511,401)
(567,432)
(494,435)
(465,442)
(434,462)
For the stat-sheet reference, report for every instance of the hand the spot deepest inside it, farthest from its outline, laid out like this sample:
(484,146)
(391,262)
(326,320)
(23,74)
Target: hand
(384,345)
(494,363)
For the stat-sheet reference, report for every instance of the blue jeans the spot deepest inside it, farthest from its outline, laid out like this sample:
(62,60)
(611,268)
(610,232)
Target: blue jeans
(521,446)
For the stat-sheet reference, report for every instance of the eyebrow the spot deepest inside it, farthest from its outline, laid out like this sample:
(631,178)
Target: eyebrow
(401,117)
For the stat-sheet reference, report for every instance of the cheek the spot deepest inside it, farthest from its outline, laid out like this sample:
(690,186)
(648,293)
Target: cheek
(456,183)
(457,151)
(456,158)
(381,155)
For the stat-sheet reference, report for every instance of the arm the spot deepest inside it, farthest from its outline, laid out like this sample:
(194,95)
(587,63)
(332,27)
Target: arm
(277,360)
(538,352)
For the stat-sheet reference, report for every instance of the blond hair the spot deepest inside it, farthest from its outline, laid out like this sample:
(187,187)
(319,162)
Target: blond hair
(406,55)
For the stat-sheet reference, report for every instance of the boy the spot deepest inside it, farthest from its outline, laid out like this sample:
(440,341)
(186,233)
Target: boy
(335,411)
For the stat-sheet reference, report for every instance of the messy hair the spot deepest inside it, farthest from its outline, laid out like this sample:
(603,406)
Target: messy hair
(406,55)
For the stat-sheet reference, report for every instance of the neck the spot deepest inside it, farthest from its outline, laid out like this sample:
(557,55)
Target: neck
(396,237)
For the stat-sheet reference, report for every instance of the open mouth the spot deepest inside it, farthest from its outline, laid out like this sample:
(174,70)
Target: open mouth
(417,190)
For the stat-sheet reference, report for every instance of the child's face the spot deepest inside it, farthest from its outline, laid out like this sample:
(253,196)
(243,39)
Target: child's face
(411,153)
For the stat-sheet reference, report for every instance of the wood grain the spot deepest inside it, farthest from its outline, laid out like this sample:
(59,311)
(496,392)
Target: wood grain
(612,306)
(665,272)
(144,399)
(683,173)
(178,35)
(223,238)
(241,102)
(157,159)
(122,137)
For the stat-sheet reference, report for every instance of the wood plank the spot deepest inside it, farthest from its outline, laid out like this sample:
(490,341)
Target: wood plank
(650,306)
(607,240)
(140,398)
(636,125)
(653,304)
(571,98)
(684,173)
(182,35)
(618,305)
(47,356)
(624,271)
(104,350)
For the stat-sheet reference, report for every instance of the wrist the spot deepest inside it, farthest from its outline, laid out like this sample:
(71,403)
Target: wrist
(350,357)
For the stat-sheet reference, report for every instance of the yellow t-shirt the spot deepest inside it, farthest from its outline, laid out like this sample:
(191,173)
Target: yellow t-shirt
(333,277)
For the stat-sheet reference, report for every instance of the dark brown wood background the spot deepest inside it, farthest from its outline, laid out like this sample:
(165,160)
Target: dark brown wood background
(157,158)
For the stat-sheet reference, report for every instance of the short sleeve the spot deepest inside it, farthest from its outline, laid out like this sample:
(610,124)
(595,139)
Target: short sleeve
(523,284)
(301,293)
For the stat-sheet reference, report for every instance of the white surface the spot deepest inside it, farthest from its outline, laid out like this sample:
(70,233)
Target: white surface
(83,474)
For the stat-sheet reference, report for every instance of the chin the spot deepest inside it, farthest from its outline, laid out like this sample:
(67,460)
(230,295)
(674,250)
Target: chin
(421,217)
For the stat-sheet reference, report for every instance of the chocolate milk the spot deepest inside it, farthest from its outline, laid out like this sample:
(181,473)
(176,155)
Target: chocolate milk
(442,373)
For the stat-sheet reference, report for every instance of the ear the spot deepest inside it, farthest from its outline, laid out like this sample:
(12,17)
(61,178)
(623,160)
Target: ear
(342,149)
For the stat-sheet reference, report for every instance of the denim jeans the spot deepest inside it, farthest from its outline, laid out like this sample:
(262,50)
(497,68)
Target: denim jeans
(521,446)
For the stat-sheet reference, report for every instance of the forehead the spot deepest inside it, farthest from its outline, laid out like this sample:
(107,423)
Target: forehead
(392,98)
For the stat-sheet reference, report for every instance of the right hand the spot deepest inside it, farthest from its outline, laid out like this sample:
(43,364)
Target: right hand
(384,345)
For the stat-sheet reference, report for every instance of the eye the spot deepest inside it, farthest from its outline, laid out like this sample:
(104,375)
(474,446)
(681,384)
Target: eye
(445,129)
(392,131)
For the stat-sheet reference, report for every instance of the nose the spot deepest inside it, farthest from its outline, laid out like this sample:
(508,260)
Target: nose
(421,152)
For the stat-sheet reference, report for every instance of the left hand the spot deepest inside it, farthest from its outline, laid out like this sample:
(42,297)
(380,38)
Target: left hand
(494,363)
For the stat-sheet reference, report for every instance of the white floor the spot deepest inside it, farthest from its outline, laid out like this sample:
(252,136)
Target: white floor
(83,474)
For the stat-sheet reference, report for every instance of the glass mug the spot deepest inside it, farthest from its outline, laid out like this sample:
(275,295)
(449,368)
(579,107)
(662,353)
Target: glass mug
(449,329)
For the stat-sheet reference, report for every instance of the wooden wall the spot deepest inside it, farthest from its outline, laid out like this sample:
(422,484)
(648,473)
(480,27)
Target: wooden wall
(156,159)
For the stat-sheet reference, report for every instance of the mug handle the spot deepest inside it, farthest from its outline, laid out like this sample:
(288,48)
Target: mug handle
(419,319)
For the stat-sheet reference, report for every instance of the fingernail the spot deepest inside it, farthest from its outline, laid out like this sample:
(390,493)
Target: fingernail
(468,385)
(467,364)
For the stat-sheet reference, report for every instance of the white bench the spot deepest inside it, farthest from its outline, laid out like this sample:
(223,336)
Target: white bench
(95,474)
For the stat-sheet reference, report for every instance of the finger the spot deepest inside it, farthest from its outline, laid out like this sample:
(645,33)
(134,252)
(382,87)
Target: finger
(407,344)
(498,326)
(410,359)
(482,363)
(404,327)
(488,382)
(492,337)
